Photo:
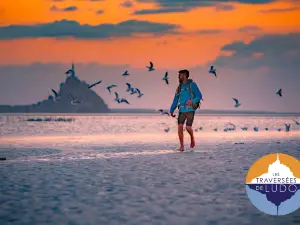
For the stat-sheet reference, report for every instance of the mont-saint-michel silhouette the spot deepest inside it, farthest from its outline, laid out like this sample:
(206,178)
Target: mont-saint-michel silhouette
(73,96)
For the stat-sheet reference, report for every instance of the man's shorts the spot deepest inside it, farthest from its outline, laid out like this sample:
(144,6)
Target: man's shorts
(188,116)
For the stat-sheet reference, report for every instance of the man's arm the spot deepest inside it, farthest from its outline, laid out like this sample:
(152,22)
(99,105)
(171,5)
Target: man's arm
(197,93)
(174,104)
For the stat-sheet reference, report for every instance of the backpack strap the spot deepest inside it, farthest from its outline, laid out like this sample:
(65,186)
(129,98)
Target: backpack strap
(178,90)
(190,89)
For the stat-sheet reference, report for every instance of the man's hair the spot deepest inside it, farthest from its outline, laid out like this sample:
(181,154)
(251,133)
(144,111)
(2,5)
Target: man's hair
(185,72)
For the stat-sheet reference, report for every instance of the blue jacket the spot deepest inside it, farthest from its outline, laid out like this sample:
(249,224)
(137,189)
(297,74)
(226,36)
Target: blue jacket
(185,95)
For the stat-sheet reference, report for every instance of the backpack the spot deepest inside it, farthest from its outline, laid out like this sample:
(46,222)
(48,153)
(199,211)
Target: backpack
(194,105)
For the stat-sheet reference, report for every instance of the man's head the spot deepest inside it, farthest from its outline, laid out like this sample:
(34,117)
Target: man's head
(183,75)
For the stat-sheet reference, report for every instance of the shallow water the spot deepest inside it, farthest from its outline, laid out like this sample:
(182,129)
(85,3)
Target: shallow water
(122,170)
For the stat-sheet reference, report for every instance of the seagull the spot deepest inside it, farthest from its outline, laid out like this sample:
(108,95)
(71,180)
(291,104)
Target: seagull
(139,93)
(166,113)
(237,104)
(133,91)
(74,101)
(231,124)
(150,68)
(279,92)
(117,97)
(94,84)
(111,86)
(255,129)
(124,100)
(166,78)
(167,129)
(125,74)
(128,87)
(287,127)
(56,95)
(212,70)
(297,123)
(71,71)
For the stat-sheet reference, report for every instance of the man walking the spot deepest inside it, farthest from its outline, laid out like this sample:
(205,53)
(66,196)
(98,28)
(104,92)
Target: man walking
(187,99)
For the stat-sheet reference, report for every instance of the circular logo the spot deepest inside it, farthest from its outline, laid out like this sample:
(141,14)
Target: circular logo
(273,184)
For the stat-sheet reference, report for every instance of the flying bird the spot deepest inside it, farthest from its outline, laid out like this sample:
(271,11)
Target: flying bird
(150,68)
(237,104)
(166,113)
(125,74)
(124,100)
(279,92)
(166,78)
(94,84)
(74,101)
(128,87)
(117,97)
(139,93)
(111,86)
(133,91)
(212,70)
(56,95)
(287,127)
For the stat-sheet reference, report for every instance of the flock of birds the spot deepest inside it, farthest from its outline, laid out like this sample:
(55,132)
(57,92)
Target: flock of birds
(130,88)
(233,127)
(132,91)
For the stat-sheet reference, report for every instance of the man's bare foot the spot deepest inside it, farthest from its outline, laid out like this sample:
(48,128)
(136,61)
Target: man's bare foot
(193,142)
(180,149)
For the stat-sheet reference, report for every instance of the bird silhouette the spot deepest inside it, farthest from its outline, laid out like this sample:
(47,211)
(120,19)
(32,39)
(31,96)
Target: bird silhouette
(94,84)
(124,100)
(287,127)
(128,87)
(212,70)
(150,68)
(117,97)
(56,96)
(110,87)
(237,104)
(279,92)
(125,74)
(139,93)
(166,78)
(133,91)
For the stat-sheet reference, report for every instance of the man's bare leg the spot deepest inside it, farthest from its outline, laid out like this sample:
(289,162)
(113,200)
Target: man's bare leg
(189,129)
(180,135)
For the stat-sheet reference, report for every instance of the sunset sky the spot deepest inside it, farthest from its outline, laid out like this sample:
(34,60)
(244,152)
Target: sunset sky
(254,44)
